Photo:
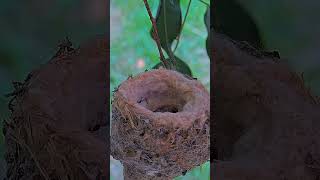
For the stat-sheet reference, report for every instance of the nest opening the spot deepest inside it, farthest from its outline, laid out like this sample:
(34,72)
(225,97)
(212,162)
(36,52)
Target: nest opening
(165,100)
(168,108)
(158,117)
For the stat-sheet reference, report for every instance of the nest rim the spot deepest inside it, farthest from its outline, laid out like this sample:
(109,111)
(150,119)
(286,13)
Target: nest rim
(196,105)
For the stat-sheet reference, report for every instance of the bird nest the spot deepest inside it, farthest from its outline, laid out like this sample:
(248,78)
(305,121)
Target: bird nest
(58,115)
(160,125)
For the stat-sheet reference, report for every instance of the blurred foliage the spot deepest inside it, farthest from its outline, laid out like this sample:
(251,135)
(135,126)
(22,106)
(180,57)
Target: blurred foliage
(238,25)
(291,28)
(31,30)
(133,44)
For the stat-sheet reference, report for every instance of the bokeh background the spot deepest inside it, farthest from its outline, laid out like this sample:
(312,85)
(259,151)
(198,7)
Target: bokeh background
(292,27)
(133,50)
(31,30)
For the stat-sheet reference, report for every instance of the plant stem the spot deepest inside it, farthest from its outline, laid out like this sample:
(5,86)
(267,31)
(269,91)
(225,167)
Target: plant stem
(184,20)
(207,4)
(157,39)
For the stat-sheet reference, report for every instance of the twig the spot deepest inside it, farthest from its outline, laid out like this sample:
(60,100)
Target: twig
(157,39)
(184,20)
(204,2)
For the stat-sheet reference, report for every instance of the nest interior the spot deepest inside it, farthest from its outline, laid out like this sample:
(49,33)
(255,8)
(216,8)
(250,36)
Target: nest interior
(162,98)
(160,124)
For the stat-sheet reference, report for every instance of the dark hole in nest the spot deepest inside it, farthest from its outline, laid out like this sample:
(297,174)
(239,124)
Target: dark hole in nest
(142,134)
(168,108)
(167,100)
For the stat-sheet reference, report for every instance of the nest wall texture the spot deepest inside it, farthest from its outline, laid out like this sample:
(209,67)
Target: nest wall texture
(160,125)
(273,130)
(161,119)
(58,126)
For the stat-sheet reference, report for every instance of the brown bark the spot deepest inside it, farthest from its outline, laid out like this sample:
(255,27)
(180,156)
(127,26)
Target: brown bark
(267,122)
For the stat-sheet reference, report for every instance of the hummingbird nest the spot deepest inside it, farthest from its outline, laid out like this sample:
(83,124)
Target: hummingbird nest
(160,125)
(266,119)
(58,117)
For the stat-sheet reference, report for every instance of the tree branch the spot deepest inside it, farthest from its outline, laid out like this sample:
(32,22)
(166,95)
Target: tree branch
(157,39)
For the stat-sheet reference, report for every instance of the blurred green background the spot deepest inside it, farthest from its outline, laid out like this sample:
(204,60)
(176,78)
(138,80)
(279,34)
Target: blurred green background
(293,28)
(31,31)
(133,50)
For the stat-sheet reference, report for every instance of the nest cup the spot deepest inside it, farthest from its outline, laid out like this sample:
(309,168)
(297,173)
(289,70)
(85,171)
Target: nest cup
(160,125)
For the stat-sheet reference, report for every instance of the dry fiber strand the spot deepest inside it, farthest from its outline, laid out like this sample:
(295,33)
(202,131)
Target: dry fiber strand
(273,130)
(58,126)
(160,125)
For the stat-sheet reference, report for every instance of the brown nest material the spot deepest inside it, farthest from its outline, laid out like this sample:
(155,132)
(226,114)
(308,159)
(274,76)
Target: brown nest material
(160,125)
(273,130)
(58,116)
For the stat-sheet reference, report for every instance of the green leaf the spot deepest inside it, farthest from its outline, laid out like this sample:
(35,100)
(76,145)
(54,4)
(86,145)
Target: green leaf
(168,22)
(180,66)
